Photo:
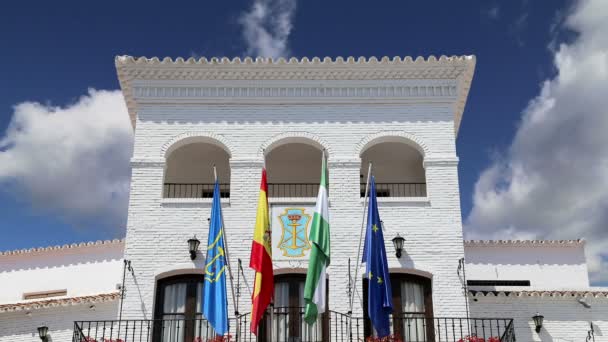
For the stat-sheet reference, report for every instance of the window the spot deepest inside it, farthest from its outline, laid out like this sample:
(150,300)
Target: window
(498,282)
(412,317)
(179,306)
(45,294)
(286,322)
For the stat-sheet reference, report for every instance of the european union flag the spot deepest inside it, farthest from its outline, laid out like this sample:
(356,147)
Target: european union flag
(379,300)
(215,300)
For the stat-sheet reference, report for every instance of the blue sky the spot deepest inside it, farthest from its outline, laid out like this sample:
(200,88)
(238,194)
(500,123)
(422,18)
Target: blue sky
(53,52)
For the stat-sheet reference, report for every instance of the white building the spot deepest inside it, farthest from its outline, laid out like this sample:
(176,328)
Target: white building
(402,115)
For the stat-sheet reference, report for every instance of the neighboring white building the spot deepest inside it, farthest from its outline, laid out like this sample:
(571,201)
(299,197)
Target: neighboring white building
(401,115)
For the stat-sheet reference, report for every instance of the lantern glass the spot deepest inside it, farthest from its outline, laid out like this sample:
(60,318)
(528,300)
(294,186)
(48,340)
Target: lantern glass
(398,244)
(538,321)
(42,332)
(193,247)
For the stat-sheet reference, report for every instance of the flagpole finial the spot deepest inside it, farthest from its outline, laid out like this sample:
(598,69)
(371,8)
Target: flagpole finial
(214,173)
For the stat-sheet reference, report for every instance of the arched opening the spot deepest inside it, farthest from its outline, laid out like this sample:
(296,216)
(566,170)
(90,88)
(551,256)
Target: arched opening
(294,170)
(397,167)
(412,316)
(178,309)
(189,171)
(287,320)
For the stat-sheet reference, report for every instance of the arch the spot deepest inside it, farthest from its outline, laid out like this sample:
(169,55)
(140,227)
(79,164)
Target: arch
(177,269)
(294,137)
(289,271)
(410,271)
(195,137)
(392,136)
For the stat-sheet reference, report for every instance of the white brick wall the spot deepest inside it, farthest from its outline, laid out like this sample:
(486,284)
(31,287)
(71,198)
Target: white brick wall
(19,327)
(157,231)
(565,319)
(547,266)
(86,270)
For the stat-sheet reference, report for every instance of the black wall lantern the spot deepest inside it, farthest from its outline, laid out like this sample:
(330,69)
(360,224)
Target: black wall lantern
(193,247)
(42,332)
(398,244)
(538,321)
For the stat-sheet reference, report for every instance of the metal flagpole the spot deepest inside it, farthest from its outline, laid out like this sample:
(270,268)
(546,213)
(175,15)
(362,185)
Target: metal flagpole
(226,254)
(271,304)
(369,172)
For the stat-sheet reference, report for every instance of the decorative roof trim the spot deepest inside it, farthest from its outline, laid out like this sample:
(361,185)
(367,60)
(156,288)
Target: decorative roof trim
(540,293)
(459,68)
(524,243)
(69,301)
(63,247)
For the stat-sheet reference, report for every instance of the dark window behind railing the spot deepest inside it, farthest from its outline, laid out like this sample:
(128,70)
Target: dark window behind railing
(194,190)
(398,189)
(288,325)
(293,189)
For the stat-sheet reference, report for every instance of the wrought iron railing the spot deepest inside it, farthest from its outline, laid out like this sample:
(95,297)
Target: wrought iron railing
(283,190)
(287,324)
(194,190)
(293,190)
(398,189)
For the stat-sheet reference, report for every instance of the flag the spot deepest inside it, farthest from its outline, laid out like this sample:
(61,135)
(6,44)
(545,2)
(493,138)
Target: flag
(379,303)
(215,299)
(316,276)
(261,259)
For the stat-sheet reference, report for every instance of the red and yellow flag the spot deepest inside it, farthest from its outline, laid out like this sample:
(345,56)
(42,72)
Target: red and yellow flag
(261,259)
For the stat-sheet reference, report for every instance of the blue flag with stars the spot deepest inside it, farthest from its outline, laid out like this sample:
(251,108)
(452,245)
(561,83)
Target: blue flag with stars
(379,300)
(215,300)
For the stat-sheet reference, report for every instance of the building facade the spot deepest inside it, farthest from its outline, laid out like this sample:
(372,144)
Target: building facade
(401,116)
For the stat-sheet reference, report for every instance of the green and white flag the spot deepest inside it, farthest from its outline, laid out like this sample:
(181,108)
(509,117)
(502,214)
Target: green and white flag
(316,278)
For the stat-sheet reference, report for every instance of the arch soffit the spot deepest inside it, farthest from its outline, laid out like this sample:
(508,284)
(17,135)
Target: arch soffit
(195,137)
(177,269)
(291,138)
(410,271)
(392,136)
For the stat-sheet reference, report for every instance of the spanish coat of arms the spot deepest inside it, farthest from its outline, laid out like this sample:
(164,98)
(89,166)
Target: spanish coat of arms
(294,232)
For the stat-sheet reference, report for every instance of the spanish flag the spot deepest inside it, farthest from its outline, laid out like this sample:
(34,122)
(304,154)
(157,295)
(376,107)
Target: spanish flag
(261,259)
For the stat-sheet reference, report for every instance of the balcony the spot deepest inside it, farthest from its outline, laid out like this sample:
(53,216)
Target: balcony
(287,324)
(286,190)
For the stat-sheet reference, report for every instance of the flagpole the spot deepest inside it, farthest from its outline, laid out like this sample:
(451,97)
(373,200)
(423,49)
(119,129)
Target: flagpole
(236,309)
(271,304)
(369,172)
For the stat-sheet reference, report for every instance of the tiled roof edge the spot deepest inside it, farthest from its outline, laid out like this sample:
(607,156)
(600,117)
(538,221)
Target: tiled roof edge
(62,247)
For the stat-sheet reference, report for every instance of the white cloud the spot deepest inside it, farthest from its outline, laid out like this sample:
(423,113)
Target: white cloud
(71,161)
(553,181)
(266,27)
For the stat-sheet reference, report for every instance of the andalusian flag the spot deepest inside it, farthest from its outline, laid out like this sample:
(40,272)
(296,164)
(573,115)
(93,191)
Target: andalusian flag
(261,259)
(316,277)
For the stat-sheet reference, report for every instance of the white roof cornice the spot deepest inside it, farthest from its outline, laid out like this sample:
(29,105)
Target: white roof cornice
(592,293)
(58,302)
(115,242)
(524,243)
(456,68)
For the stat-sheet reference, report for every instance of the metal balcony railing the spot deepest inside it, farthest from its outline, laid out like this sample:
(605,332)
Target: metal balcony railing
(284,190)
(398,189)
(287,325)
(194,190)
